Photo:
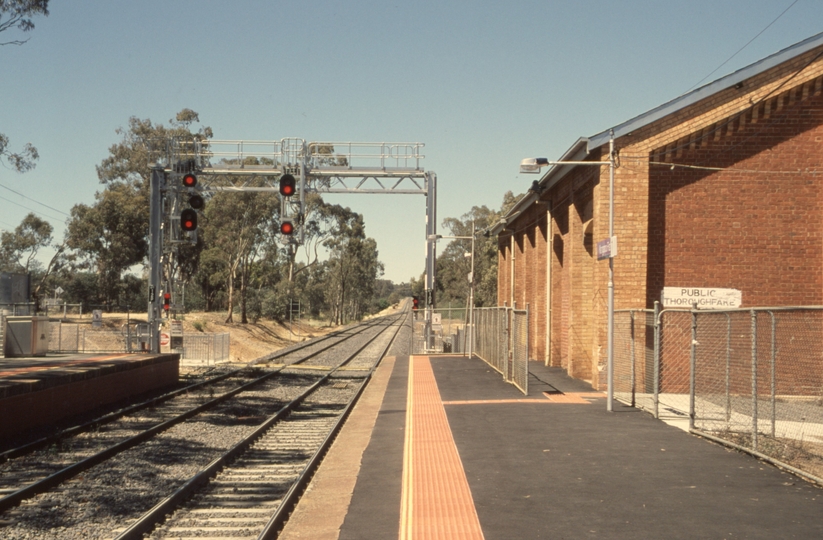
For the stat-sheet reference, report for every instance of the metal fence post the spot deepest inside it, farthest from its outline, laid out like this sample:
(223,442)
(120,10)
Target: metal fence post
(657,317)
(774,382)
(634,376)
(528,350)
(754,379)
(728,367)
(692,368)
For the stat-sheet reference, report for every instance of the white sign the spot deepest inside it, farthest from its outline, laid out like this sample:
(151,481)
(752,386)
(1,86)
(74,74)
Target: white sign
(436,317)
(176,328)
(686,297)
(607,249)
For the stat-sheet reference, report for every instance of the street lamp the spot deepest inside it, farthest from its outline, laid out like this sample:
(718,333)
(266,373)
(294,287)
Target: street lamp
(532,165)
(435,238)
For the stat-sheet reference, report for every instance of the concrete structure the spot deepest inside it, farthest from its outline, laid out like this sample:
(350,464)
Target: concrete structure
(717,188)
(38,392)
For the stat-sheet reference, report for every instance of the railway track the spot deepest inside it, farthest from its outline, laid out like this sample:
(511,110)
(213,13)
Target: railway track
(260,428)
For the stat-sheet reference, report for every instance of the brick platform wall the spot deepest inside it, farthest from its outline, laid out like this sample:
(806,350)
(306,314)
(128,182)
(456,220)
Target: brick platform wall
(44,407)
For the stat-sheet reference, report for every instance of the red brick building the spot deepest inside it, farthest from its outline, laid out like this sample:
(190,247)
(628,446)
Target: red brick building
(719,188)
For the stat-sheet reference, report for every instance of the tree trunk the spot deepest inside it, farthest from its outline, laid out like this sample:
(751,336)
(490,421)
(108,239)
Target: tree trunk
(229,319)
(243,316)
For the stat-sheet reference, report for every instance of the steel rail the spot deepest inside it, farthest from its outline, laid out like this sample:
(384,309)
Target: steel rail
(289,501)
(157,515)
(111,417)
(70,471)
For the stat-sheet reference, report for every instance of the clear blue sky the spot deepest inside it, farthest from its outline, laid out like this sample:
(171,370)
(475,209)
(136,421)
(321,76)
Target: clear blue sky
(482,84)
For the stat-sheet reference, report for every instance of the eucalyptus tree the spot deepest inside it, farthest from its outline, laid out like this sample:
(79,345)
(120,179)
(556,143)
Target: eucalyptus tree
(18,248)
(353,267)
(235,229)
(111,235)
(17,14)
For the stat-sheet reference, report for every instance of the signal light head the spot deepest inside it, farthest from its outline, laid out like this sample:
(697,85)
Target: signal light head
(288,185)
(166,301)
(189,181)
(188,220)
(196,202)
(287,228)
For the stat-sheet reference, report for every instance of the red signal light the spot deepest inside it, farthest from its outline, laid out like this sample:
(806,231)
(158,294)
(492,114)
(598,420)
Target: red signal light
(188,220)
(287,228)
(288,185)
(415,302)
(166,301)
(189,181)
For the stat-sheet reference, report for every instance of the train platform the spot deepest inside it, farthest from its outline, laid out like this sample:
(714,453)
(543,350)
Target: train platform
(39,391)
(442,447)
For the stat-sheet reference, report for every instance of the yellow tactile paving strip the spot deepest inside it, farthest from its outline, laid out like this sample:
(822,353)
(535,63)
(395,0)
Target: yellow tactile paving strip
(576,398)
(436,500)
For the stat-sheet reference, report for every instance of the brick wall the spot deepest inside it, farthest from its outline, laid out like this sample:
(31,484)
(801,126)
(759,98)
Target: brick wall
(756,227)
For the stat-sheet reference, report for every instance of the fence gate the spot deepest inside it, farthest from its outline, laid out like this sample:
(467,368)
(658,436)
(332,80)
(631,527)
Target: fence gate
(751,378)
(519,375)
(501,339)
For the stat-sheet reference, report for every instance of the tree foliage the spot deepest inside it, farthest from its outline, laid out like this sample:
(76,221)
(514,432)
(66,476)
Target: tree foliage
(111,235)
(19,248)
(240,260)
(353,267)
(17,14)
(236,228)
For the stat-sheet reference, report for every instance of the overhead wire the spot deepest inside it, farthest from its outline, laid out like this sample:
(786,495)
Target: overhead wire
(720,125)
(34,200)
(741,48)
(32,209)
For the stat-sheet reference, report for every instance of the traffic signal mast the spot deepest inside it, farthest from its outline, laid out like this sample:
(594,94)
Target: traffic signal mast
(288,187)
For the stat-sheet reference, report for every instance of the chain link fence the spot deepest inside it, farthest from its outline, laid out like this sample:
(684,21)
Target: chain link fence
(491,337)
(444,334)
(82,338)
(76,338)
(206,348)
(519,375)
(750,378)
(634,357)
(500,338)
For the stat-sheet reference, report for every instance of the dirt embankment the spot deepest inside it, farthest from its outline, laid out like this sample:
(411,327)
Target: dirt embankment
(248,341)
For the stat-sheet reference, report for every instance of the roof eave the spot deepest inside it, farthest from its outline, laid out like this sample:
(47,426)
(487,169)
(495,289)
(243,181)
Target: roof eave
(576,152)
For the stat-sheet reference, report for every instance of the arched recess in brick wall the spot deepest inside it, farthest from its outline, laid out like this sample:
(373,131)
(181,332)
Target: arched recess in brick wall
(561,312)
(582,284)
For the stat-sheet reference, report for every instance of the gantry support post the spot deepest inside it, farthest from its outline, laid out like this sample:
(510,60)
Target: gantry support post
(431,251)
(158,178)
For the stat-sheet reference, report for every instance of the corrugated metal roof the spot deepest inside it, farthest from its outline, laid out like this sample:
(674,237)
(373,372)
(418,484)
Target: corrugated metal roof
(585,145)
(707,90)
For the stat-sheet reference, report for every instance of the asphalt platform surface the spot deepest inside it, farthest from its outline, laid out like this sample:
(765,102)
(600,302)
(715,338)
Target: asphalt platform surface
(543,469)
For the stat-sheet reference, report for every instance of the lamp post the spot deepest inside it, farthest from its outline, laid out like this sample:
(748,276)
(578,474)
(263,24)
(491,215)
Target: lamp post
(436,237)
(533,165)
